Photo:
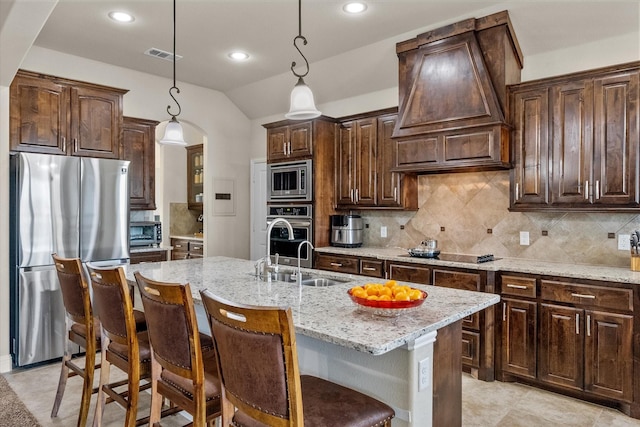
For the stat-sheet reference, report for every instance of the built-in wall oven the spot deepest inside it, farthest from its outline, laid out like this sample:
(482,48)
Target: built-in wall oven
(300,217)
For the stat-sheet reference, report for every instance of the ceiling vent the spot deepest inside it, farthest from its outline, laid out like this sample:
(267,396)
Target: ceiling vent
(162,54)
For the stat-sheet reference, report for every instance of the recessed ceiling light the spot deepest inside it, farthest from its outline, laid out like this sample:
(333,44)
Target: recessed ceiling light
(355,7)
(239,56)
(121,17)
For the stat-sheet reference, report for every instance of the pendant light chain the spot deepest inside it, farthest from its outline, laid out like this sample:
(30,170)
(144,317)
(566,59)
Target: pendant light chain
(304,42)
(174,87)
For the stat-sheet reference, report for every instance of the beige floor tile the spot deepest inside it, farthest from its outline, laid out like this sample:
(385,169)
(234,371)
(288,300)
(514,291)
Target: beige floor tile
(613,418)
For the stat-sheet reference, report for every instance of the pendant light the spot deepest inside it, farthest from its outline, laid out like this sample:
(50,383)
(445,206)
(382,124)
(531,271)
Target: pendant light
(173,134)
(302,104)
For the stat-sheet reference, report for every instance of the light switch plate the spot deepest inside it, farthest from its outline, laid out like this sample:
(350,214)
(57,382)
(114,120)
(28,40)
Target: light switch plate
(424,379)
(624,243)
(524,238)
(383,231)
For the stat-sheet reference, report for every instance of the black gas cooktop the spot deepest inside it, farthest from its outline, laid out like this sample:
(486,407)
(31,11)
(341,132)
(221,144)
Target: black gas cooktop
(470,259)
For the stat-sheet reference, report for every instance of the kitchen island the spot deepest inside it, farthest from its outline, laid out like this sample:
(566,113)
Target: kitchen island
(410,362)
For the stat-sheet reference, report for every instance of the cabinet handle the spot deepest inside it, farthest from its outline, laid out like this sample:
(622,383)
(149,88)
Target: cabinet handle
(368,268)
(588,325)
(195,248)
(335,264)
(178,246)
(64,144)
(351,196)
(289,150)
(357,196)
(75,145)
(515,196)
(509,285)
(395,193)
(586,190)
(597,189)
(504,311)
(577,324)
(583,296)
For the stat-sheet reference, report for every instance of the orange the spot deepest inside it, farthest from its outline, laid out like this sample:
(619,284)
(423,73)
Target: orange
(384,298)
(402,296)
(373,297)
(385,292)
(391,283)
(415,294)
(360,293)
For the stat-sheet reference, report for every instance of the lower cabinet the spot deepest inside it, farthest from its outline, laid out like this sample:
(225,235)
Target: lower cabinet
(349,264)
(147,256)
(186,248)
(571,335)
(477,329)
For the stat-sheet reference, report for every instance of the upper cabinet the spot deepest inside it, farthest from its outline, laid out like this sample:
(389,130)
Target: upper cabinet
(453,96)
(52,115)
(195,176)
(289,142)
(138,146)
(576,141)
(365,156)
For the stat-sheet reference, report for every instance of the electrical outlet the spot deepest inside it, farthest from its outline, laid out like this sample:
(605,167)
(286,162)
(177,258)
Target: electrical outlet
(424,379)
(624,244)
(383,231)
(524,238)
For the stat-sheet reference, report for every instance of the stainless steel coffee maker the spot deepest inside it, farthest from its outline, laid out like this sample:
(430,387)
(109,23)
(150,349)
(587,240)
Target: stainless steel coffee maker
(346,231)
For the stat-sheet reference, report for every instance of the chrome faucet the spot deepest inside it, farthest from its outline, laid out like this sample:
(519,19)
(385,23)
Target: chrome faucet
(267,263)
(299,274)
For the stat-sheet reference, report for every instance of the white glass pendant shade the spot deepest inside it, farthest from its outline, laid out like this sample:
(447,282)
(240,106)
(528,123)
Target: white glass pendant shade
(302,104)
(173,134)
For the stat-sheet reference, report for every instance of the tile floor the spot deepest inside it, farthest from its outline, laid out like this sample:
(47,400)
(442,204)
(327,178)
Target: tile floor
(483,404)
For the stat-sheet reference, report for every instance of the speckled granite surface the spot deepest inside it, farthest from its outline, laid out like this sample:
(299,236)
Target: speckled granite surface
(516,265)
(327,313)
(149,248)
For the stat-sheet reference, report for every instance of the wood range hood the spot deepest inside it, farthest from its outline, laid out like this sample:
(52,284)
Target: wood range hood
(453,96)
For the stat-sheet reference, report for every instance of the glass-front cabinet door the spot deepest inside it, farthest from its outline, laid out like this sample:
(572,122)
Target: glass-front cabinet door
(195,176)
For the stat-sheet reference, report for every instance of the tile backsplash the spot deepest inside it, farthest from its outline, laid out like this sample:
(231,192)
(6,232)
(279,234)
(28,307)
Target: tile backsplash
(183,222)
(468,213)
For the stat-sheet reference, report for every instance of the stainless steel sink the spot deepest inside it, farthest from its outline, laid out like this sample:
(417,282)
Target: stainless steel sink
(307,279)
(321,281)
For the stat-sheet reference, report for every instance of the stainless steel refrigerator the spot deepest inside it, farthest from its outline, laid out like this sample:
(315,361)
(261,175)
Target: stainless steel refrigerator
(72,206)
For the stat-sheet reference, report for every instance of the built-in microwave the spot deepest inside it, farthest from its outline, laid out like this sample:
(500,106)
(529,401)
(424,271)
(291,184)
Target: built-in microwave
(291,181)
(145,233)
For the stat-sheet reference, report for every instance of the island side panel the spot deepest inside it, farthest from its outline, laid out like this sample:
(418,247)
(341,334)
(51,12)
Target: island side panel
(447,376)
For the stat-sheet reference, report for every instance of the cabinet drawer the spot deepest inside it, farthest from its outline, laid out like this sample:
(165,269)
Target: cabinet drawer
(372,268)
(519,286)
(337,263)
(179,255)
(471,322)
(409,273)
(180,245)
(457,280)
(195,248)
(152,256)
(591,295)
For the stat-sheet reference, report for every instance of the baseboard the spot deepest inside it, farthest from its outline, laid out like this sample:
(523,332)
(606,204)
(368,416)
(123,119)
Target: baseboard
(5,363)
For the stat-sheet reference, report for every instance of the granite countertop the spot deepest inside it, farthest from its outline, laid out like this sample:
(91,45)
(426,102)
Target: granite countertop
(188,237)
(515,265)
(327,313)
(138,249)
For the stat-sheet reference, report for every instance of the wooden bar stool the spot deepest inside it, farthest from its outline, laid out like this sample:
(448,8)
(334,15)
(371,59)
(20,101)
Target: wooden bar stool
(81,329)
(125,343)
(258,366)
(183,360)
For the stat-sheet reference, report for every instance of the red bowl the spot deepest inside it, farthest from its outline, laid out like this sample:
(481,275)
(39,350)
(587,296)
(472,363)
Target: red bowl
(388,304)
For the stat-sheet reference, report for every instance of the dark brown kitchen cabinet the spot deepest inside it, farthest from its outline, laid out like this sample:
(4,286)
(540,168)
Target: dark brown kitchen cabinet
(289,142)
(356,163)
(186,248)
(195,176)
(452,104)
(365,156)
(587,345)
(148,256)
(53,115)
(406,272)
(519,325)
(138,146)
(339,263)
(590,122)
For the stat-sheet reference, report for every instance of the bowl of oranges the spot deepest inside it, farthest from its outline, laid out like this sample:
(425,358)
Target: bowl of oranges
(387,299)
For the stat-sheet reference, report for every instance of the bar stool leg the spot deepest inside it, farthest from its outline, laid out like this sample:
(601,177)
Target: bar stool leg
(62,382)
